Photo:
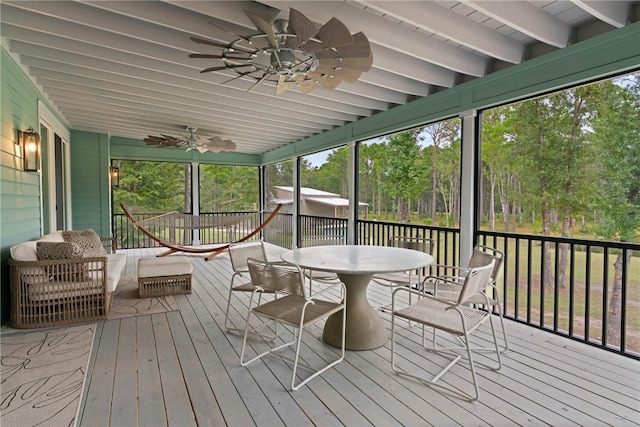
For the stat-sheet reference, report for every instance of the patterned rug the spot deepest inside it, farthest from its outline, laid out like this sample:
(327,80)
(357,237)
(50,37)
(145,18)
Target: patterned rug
(125,301)
(42,375)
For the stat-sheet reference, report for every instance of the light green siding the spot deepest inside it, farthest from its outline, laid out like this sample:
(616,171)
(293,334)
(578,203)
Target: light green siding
(90,191)
(20,204)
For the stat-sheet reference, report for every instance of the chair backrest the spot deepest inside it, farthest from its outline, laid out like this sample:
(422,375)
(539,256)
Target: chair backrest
(422,244)
(239,253)
(280,277)
(483,255)
(475,281)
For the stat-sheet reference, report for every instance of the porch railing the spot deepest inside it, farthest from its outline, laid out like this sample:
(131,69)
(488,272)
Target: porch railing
(566,286)
(129,237)
(560,285)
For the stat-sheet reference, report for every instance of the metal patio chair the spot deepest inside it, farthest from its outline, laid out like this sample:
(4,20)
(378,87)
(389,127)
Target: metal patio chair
(457,318)
(451,287)
(291,307)
(239,253)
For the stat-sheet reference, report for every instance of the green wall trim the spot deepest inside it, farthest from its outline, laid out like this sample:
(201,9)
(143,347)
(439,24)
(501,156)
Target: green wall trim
(133,149)
(90,190)
(612,53)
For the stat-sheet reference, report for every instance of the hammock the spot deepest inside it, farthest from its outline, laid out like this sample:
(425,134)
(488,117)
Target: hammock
(191,222)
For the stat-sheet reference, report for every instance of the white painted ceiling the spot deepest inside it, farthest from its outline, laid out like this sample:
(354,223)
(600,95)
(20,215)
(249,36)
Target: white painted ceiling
(122,67)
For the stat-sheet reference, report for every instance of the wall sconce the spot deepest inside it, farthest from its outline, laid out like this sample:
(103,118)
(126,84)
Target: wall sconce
(114,173)
(30,141)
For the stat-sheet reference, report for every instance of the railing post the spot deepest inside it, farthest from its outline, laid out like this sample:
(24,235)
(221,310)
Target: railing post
(353,193)
(467,185)
(195,202)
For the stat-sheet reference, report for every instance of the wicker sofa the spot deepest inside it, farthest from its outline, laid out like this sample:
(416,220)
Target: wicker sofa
(49,289)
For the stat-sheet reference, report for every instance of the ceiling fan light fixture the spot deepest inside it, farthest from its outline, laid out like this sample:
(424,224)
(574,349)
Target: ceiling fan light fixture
(203,144)
(296,47)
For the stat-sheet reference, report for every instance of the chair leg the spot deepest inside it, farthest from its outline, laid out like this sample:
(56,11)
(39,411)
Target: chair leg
(226,314)
(264,353)
(230,328)
(295,387)
(472,366)
(433,381)
(504,330)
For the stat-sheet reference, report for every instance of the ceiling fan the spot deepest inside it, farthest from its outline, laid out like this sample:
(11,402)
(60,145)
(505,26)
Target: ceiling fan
(215,144)
(292,53)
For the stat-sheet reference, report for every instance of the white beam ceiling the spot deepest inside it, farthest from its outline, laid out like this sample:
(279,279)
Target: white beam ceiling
(122,67)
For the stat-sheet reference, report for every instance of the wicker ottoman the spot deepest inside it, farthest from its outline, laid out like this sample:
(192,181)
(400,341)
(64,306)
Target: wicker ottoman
(164,276)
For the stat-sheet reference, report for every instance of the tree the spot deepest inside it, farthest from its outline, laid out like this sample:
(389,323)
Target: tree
(228,188)
(151,186)
(616,138)
(497,137)
(448,179)
(403,175)
(333,175)
(441,134)
(551,153)
(373,164)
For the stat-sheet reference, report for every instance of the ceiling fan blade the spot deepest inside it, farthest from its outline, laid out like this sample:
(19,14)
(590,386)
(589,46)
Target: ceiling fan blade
(239,76)
(306,86)
(224,67)
(344,74)
(360,64)
(284,85)
(326,80)
(222,45)
(210,56)
(264,27)
(302,27)
(350,76)
(239,37)
(360,48)
(156,143)
(217,144)
(334,33)
(256,84)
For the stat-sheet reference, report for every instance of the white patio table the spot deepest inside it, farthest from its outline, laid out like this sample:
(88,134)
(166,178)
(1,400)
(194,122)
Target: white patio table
(355,265)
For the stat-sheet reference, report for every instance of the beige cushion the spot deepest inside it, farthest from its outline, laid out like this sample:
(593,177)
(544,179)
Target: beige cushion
(56,236)
(55,290)
(59,251)
(88,240)
(160,267)
(116,264)
(25,251)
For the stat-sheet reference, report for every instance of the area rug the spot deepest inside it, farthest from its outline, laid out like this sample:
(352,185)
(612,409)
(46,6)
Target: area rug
(42,375)
(125,301)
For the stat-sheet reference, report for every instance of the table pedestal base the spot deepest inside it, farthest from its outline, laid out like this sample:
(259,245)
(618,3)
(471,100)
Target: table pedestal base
(365,330)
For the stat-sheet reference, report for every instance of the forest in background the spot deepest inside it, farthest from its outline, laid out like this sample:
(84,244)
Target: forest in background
(567,164)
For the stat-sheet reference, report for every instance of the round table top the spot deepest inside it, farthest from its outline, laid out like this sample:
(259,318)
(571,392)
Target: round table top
(357,259)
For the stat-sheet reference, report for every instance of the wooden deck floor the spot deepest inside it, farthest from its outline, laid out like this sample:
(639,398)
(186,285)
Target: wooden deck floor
(181,368)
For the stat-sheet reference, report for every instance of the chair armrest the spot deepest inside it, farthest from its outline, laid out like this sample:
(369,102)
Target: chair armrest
(435,267)
(420,294)
(329,288)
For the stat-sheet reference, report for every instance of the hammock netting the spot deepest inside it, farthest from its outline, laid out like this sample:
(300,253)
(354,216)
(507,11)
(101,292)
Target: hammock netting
(179,223)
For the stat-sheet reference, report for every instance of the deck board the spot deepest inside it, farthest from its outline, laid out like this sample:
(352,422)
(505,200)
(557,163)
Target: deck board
(203,400)
(174,390)
(545,380)
(152,408)
(125,383)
